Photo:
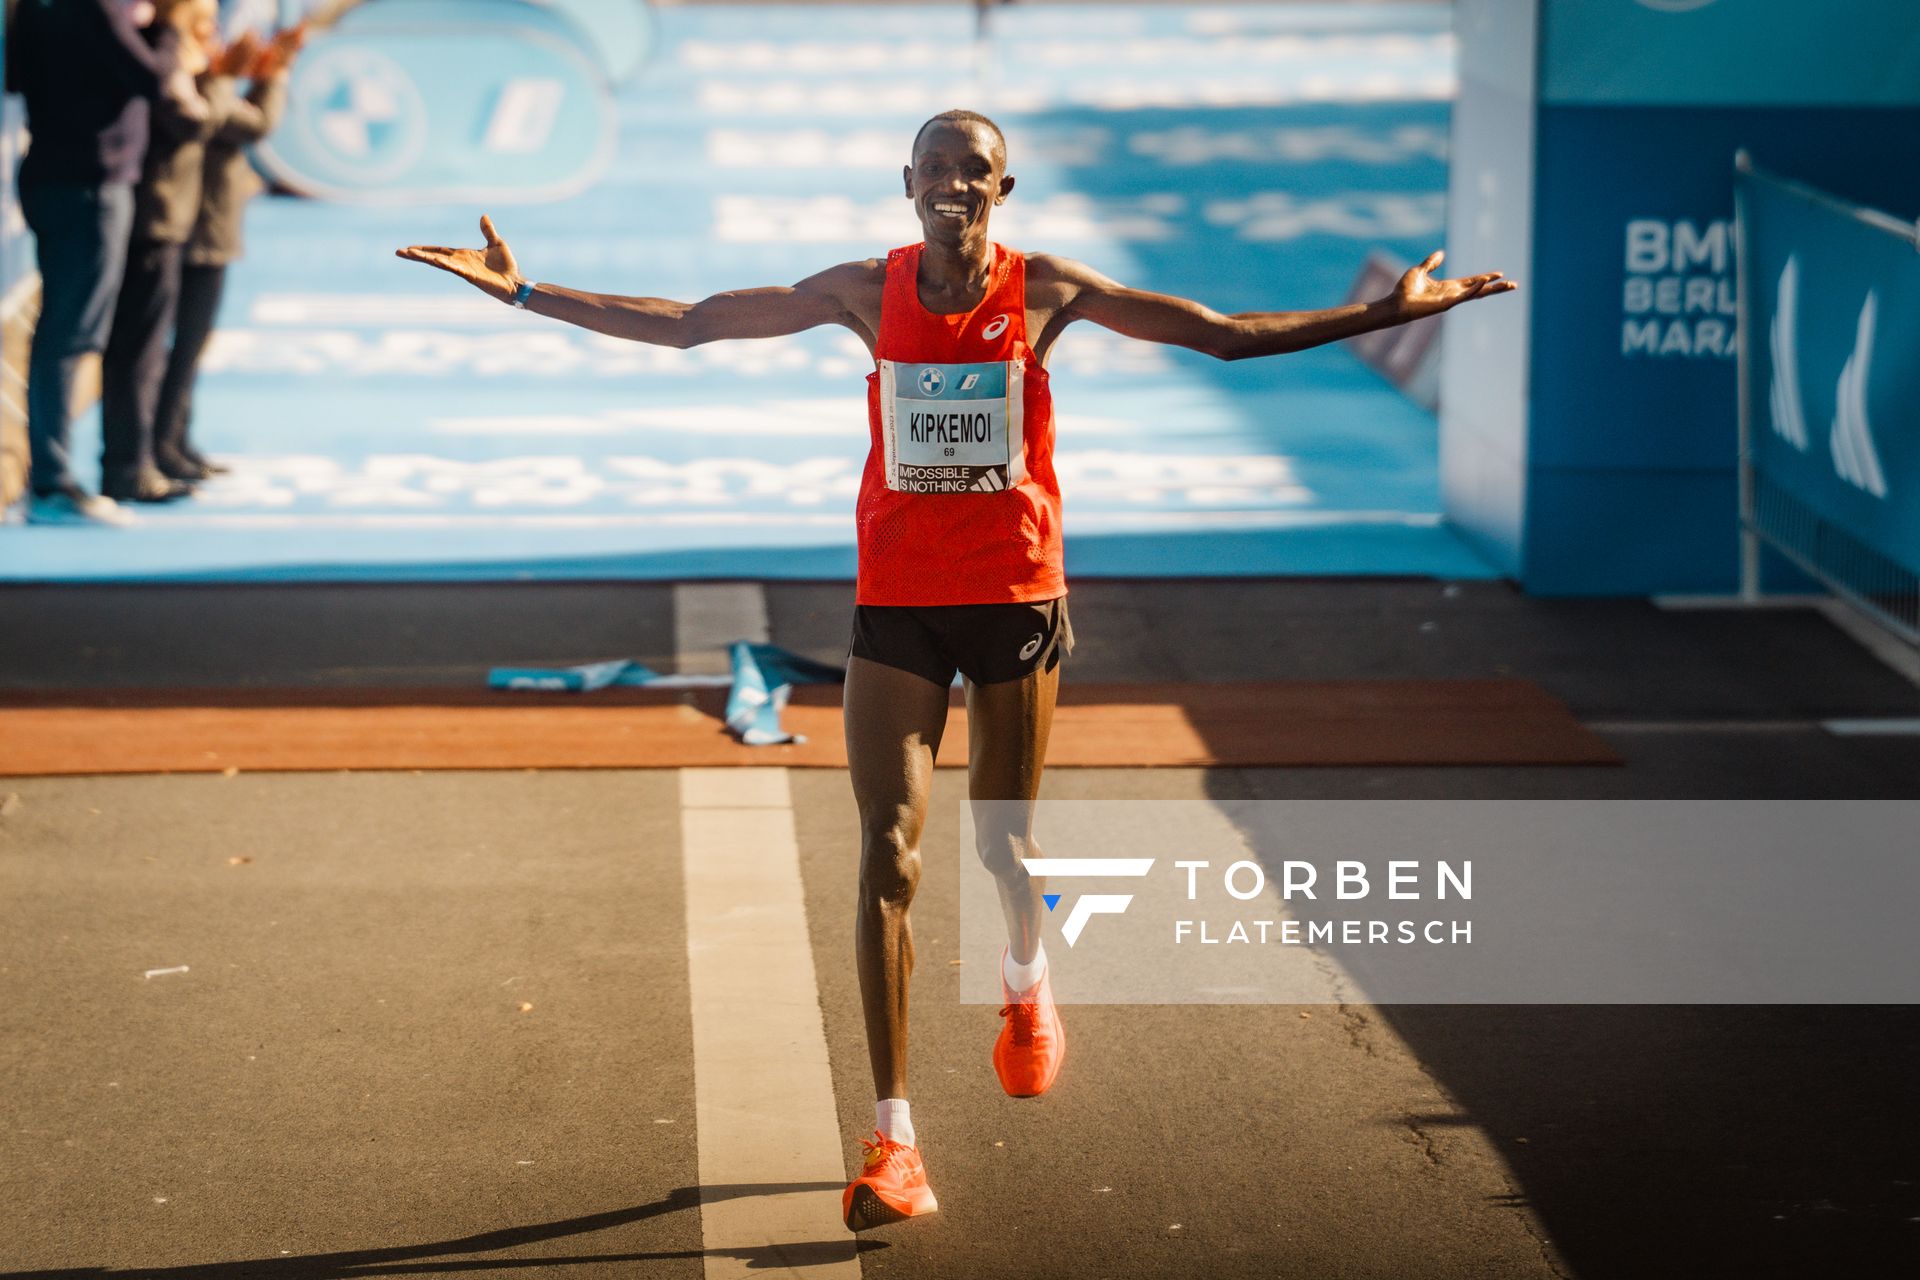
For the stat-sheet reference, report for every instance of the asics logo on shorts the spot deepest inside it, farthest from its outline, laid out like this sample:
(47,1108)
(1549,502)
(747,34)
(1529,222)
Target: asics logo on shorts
(995,327)
(1030,648)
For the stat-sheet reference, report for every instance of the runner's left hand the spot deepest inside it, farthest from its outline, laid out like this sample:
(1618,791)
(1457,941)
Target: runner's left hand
(1419,294)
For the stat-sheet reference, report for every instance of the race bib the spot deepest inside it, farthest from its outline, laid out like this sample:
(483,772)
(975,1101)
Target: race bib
(952,428)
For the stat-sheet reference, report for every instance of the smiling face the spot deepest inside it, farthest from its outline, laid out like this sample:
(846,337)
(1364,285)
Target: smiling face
(957,176)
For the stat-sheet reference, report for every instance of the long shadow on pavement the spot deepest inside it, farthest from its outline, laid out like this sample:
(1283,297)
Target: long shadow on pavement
(1648,1140)
(416,1258)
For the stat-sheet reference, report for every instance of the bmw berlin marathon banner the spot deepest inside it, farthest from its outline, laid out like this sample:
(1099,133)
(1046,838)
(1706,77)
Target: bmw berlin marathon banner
(1833,365)
(1452,901)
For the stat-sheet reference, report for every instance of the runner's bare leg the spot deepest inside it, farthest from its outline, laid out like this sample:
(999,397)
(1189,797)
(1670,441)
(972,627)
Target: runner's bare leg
(894,720)
(1007,725)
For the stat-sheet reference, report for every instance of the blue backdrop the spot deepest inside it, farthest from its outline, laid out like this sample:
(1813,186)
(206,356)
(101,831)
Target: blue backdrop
(1833,382)
(386,420)
(1592,448)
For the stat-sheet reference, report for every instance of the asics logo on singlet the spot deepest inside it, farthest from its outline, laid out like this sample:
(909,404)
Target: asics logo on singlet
(995,327)
(1030,648)
(932,380)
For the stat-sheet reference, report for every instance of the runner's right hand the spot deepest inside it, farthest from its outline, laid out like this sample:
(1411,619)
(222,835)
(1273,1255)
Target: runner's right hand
(491,270)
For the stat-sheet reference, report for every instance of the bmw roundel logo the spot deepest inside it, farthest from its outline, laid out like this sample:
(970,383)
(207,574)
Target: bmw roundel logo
(932,381)
(360,113)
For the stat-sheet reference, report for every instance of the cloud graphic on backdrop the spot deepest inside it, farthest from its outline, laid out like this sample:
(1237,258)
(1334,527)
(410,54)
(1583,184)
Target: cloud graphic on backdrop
(1854,455)
(1789,421)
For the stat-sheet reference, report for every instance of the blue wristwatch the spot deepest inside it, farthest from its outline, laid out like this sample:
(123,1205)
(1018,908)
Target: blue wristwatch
(520,295)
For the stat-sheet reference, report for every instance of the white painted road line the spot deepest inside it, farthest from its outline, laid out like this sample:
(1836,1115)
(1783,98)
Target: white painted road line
(1701,726)
(1681,603)
(763,1089)
(1879,728)
(709,616)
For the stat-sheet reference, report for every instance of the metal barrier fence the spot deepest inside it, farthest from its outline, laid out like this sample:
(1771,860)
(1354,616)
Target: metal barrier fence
(1830,393)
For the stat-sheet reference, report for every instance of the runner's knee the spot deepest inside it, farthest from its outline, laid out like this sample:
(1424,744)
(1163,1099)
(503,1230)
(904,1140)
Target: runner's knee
(889,863)
(1003,854)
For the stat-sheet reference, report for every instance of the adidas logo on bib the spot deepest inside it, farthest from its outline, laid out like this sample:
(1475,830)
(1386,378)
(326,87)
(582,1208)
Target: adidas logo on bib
(989,482)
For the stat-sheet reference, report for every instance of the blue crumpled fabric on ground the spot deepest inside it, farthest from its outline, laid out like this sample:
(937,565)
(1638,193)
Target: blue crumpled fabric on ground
(757,689)
(763,674)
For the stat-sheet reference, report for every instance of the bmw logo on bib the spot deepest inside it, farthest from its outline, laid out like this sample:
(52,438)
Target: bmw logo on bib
(932,381)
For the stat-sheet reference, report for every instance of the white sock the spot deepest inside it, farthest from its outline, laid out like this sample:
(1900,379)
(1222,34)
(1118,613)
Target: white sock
(894,1119)
(1024,977)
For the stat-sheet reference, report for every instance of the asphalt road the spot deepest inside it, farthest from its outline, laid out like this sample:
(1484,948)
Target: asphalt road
(344,1080)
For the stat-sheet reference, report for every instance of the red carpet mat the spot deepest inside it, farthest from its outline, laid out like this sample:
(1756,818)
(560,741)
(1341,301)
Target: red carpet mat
(1361,722)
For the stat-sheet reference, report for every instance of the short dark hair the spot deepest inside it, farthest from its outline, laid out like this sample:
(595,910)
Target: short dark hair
(960,115)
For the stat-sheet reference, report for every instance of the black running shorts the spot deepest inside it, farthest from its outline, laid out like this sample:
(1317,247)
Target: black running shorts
(987,643)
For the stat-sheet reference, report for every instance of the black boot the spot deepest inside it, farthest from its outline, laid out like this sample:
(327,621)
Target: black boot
(206,464)
(178,466)
(149,486)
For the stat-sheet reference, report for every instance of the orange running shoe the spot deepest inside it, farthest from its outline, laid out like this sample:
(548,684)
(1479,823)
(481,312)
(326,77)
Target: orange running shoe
(892,1186)
(1032,1043)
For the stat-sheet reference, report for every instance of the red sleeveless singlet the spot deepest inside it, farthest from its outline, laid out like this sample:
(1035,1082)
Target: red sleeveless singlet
(958,502)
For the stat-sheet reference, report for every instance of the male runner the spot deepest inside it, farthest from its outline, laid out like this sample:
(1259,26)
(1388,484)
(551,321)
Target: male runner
(959,547)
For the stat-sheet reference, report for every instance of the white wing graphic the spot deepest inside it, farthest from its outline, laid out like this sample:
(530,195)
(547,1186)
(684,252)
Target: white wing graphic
(1789,421)
(1854,456)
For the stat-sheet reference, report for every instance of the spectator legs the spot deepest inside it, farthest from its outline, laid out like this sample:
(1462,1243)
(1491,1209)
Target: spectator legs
(81,237)
(200,290)
(135,363)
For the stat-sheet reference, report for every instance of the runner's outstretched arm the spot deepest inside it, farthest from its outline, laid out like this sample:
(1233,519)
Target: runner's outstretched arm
(1085,294)
(742,313)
